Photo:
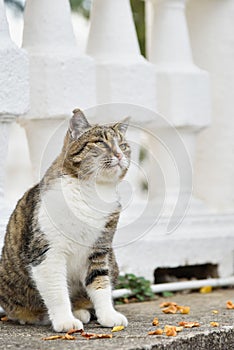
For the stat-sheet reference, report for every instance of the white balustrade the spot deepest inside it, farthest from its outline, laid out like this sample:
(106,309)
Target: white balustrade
(183,99)
(14,100)
(61,78)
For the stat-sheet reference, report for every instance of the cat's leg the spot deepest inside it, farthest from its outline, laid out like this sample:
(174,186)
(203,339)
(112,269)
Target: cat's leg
(51,282)
(43,321)
(107,316)
(81,305)
(98,287)
(82,314)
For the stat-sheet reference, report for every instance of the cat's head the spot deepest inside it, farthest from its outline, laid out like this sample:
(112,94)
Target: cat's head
(98,152)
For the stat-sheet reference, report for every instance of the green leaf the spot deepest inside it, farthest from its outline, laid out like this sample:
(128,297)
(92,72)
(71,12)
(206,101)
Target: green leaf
(131,276)
(136,290)
(140,297)
(139,286)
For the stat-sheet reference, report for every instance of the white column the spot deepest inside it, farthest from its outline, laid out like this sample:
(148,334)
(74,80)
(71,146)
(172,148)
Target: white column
(14,99)
(112,31)
(123,75)
(126,86)
(4,138)
(182,96)
(125,80)
(60,77)
(212,26)
(168,16)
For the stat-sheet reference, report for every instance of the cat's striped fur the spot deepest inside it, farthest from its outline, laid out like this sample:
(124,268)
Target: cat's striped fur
(57,261)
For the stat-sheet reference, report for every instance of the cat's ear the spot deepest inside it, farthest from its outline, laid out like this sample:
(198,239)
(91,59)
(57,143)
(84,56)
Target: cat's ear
(78,124)
(123,125)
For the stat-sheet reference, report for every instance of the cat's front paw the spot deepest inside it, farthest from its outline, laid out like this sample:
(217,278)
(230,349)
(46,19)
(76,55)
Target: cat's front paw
(82,314)
(111,318)
(67,324)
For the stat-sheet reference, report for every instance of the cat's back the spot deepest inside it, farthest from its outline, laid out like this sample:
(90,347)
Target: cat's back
(23,246)
(21,230)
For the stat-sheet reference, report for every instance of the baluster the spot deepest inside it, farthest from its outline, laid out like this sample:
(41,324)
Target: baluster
(112,32)
(124,78)
(14,100)
(123,75)
(183,99)
(214,51)
(126,84)
(60,77)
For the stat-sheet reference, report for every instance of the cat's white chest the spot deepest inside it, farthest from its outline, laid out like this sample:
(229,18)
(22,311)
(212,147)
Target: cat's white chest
(76,212)
(73,218)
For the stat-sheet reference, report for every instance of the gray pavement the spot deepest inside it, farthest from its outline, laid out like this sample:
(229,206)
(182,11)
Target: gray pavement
(135,336)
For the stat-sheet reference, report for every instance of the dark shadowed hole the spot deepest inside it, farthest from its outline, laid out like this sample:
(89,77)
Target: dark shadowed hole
(184,273)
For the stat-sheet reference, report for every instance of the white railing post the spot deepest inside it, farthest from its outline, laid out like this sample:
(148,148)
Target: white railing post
(112,32)
(212,42)
(182,91)
(124,77)
(126,84)
(14,99)
(60,77)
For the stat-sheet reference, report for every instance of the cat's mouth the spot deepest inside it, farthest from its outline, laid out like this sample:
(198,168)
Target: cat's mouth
(115,165)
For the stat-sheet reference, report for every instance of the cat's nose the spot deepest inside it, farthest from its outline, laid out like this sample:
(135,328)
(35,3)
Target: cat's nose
(119,155)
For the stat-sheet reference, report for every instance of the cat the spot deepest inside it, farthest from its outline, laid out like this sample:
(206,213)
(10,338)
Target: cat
(57,261)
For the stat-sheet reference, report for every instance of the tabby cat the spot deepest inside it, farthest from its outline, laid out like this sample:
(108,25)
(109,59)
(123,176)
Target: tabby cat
(57,262)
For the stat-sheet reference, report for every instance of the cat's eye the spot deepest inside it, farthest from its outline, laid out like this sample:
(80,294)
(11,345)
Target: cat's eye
(102,144)
(123,146)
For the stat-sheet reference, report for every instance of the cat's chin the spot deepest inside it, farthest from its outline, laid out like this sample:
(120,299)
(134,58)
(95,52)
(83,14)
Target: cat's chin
(113,175)
(108,180)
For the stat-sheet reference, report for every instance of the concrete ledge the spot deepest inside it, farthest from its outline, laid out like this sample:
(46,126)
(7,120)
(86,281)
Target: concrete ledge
(135,336)
(221,339)
(200,239)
